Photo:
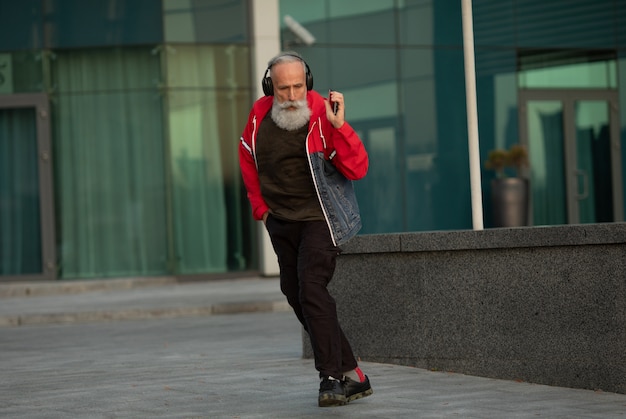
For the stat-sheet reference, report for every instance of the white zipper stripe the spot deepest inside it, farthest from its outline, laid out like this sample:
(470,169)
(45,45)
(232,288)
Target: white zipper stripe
(245,145)
(253,139)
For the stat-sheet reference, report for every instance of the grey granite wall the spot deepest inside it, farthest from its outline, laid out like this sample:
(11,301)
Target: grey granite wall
(538,304)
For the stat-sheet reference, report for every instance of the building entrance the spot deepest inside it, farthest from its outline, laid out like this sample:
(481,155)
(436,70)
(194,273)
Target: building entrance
(27,243)
(572,137)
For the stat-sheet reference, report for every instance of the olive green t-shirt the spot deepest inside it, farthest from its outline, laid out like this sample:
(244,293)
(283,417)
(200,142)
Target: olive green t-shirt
(284,175)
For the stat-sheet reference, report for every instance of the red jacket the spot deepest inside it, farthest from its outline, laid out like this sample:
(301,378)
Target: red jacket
(340,145)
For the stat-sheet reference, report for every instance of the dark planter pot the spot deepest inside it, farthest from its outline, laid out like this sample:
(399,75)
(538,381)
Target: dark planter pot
(509,197)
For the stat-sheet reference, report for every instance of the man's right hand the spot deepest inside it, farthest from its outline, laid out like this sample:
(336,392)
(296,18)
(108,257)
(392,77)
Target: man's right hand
(265,217)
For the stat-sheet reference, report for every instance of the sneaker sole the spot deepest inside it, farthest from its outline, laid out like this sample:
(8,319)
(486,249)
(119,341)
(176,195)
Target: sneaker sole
(329,401)
(360,395)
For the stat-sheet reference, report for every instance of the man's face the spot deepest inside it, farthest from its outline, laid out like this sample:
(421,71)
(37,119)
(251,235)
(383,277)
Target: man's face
(289,82)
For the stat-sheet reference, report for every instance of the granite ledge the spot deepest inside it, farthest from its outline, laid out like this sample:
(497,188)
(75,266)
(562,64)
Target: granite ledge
(493,238)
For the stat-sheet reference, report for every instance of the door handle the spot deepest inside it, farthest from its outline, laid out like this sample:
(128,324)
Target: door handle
(585,192)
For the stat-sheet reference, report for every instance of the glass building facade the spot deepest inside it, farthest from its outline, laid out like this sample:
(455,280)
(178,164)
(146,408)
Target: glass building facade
(120,120)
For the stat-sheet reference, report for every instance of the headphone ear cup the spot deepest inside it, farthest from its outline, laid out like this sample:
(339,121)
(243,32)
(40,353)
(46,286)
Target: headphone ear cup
(268,86)
(309,77)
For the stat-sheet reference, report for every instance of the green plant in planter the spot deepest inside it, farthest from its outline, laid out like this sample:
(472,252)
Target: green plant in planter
(516,157)
(509,195)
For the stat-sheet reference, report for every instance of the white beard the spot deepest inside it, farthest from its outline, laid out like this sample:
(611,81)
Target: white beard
(291,119)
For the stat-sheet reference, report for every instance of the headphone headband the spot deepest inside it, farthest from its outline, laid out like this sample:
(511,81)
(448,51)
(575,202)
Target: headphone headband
(266,82)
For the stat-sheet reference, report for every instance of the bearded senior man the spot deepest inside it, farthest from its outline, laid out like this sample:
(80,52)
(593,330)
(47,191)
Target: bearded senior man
(298,158)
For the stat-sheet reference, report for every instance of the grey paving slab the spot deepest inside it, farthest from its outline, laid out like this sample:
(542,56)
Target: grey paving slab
(125,301)
(160,350)
(239,366)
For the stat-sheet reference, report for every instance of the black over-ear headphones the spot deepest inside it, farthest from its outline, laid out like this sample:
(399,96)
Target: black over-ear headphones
(268,86)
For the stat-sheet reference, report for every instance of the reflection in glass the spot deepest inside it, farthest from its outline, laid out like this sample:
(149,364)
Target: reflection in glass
(545,137)
(207,105)
(593,162)
(600,74)
(109,163)
(20,227)
(205,21)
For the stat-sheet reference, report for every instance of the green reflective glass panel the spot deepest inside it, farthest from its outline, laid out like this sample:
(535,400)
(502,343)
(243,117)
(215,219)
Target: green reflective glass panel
(206,21)
(190,66)
(493,22)
(594,195)
(546,151)
(20,226)
(79,23)
(109,164)
(345,22)
(208,101)
(117,69)
(21,72)
(565,23)
(602,74)
(207,207)
(20,25)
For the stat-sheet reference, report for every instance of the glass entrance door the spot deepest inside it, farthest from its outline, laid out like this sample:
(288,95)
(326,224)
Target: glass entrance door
(26,210)
(573,142)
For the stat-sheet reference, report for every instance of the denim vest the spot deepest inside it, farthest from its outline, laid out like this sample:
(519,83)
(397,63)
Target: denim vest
(337,197)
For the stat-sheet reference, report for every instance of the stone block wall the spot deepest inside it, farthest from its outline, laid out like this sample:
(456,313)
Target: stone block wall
(538,304)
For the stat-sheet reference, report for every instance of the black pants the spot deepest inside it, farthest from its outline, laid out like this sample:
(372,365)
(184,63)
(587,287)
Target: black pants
(306,256)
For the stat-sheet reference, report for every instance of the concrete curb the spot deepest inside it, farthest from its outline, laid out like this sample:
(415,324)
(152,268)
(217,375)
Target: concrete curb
(36,289)
(142,314)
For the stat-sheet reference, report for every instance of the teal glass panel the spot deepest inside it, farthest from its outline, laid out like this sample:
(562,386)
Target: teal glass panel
(416,23)
(109,163)
(351,8)
(496,95)
(21,72)
(494,23)
(345,22)
(447,23)
(20,25)
(304,12)
(419,123)
(620,26)
(622,114)
(79,23)
(366,77)
(545,146)
(593,156)
(434,124)
(206,21)
(215,66)
(600,74)
(28,71)
(312,15)
(380,193)
(496,84)
(91,70)
(208,102)
(451,194)
(429,23)
(565,23)
(362,22)
(20,226)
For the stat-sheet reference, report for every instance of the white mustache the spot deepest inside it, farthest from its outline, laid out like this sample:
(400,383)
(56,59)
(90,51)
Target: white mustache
(292,104)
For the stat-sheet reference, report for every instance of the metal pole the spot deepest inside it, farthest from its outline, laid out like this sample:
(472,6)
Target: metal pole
(472,115)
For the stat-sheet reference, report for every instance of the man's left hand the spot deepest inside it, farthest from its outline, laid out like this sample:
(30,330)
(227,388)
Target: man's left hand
(338,119)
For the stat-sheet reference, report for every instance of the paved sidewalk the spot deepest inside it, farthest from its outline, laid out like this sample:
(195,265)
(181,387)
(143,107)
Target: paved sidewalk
(132,299)
(172,356)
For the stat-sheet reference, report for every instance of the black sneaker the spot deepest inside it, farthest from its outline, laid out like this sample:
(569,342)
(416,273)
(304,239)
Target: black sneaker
(356,390)
(331,393)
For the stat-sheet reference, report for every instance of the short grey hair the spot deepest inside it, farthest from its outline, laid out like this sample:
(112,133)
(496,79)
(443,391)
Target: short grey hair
(286,57)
